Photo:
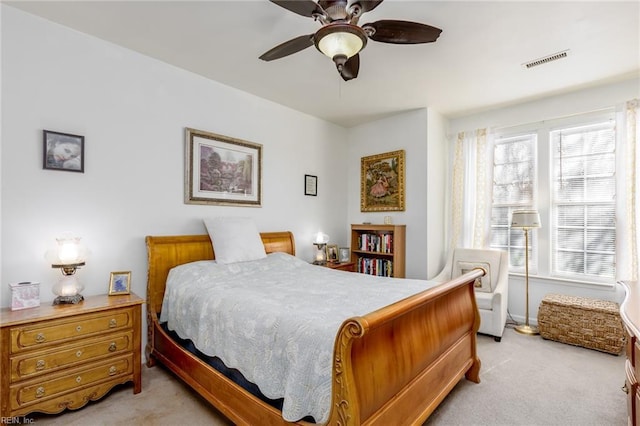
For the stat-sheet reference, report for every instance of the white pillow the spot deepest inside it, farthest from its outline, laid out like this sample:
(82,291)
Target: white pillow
(483,283)
(235,239)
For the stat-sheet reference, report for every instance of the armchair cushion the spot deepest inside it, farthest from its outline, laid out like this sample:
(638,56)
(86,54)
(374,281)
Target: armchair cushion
(489,260)
(482,284)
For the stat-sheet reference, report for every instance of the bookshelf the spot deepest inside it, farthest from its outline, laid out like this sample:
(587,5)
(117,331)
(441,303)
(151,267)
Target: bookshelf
(378,249)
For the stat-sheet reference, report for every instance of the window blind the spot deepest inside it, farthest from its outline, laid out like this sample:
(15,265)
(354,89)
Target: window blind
(584,200)
(514,179)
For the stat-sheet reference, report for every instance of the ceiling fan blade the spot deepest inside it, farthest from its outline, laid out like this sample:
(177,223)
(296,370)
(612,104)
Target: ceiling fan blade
(288,48)
(302,7)
(350,68)
(402,32)
(368,5)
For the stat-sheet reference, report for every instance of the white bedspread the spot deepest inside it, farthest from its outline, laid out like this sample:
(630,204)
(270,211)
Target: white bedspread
(275,320)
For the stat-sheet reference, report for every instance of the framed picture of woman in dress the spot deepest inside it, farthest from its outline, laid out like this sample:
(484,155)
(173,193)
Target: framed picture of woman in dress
(382,182)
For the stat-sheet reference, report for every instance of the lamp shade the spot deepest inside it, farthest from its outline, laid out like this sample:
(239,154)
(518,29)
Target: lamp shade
(340,40)
(69,254)
(321,238)
(68,251)
(525,219)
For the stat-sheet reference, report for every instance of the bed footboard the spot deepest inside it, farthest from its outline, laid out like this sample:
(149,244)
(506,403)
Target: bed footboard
(433,335)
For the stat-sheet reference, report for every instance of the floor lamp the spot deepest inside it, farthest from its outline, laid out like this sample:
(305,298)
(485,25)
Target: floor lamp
(526,220)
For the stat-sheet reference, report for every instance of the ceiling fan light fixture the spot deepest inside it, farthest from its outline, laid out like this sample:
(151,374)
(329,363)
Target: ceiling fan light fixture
(340,41)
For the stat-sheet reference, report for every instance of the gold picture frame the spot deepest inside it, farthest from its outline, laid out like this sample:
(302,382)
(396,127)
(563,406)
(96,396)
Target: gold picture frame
(332,253)
(220,170)
(120,283)
(382,182)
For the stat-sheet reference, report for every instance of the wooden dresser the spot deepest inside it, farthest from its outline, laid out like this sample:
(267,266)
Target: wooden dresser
(58,357)
(630,312)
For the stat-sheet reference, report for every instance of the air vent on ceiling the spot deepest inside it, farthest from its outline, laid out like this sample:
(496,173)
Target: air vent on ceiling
(546,59)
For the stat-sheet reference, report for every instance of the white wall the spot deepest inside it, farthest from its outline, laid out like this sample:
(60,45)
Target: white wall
(421,134)
(583,101)
(132,111)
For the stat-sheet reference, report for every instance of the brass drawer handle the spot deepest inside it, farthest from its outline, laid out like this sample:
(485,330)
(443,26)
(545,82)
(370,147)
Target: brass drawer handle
(40,392)
(78,379)
(40,365)
(40,338)
(113,323)
(113,347)
(113,370)
(78,328)
(625,388)
(79,353)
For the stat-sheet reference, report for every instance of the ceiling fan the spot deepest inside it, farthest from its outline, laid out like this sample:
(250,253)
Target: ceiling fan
(340,37)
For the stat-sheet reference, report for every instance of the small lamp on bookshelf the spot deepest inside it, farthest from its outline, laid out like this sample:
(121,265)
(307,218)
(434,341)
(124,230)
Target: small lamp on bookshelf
(320,242)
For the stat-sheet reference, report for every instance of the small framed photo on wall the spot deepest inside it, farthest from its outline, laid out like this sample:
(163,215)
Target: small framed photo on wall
(311,185)
(120,283)
(62,151)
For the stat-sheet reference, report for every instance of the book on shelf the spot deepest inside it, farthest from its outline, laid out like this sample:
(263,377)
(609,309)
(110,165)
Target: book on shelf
(380,243)
(374,266)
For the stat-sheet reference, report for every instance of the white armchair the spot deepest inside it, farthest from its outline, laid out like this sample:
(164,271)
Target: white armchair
(491,290)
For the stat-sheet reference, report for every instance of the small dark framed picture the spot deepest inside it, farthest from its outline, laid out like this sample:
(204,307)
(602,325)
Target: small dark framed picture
(62,151)
(120,283)
(310,185)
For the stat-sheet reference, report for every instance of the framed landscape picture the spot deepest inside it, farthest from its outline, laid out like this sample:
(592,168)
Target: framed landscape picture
(222,170)
(382,182)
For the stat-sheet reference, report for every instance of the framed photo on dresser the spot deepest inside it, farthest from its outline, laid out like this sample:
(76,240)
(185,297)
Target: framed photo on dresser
(120,283)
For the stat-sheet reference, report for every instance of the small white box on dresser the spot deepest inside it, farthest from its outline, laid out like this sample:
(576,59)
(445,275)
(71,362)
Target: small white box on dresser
(25,294)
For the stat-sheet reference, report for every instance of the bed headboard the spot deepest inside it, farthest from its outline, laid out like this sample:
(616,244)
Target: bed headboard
(165,252)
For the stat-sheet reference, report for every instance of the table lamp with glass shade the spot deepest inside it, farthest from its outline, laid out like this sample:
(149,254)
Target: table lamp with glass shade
(526,220)
(320,242)
(69,255)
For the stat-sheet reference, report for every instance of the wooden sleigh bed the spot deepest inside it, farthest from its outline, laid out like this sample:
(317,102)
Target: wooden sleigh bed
(391,366)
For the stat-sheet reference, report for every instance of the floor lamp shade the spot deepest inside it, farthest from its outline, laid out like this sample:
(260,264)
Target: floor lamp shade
(526,220)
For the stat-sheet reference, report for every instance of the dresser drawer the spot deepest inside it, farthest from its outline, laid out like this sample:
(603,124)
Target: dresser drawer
(47,361)
(70,381)
(54,332)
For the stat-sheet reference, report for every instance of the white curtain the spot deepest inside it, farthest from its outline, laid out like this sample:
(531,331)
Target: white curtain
(627,232)
(471,190)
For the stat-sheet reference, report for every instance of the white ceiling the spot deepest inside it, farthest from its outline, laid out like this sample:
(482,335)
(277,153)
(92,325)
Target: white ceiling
(475,65)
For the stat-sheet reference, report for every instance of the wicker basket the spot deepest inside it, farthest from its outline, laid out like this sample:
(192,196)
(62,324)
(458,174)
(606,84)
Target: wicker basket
(580,321)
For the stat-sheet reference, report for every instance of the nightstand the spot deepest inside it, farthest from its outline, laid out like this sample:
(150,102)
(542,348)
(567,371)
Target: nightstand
(63,356)
(347,266)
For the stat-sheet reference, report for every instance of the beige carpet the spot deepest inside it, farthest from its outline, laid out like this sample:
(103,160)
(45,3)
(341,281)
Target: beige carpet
(524,381)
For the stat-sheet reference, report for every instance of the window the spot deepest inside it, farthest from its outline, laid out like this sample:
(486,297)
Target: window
(584,200)
(566,170)
(514,178)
